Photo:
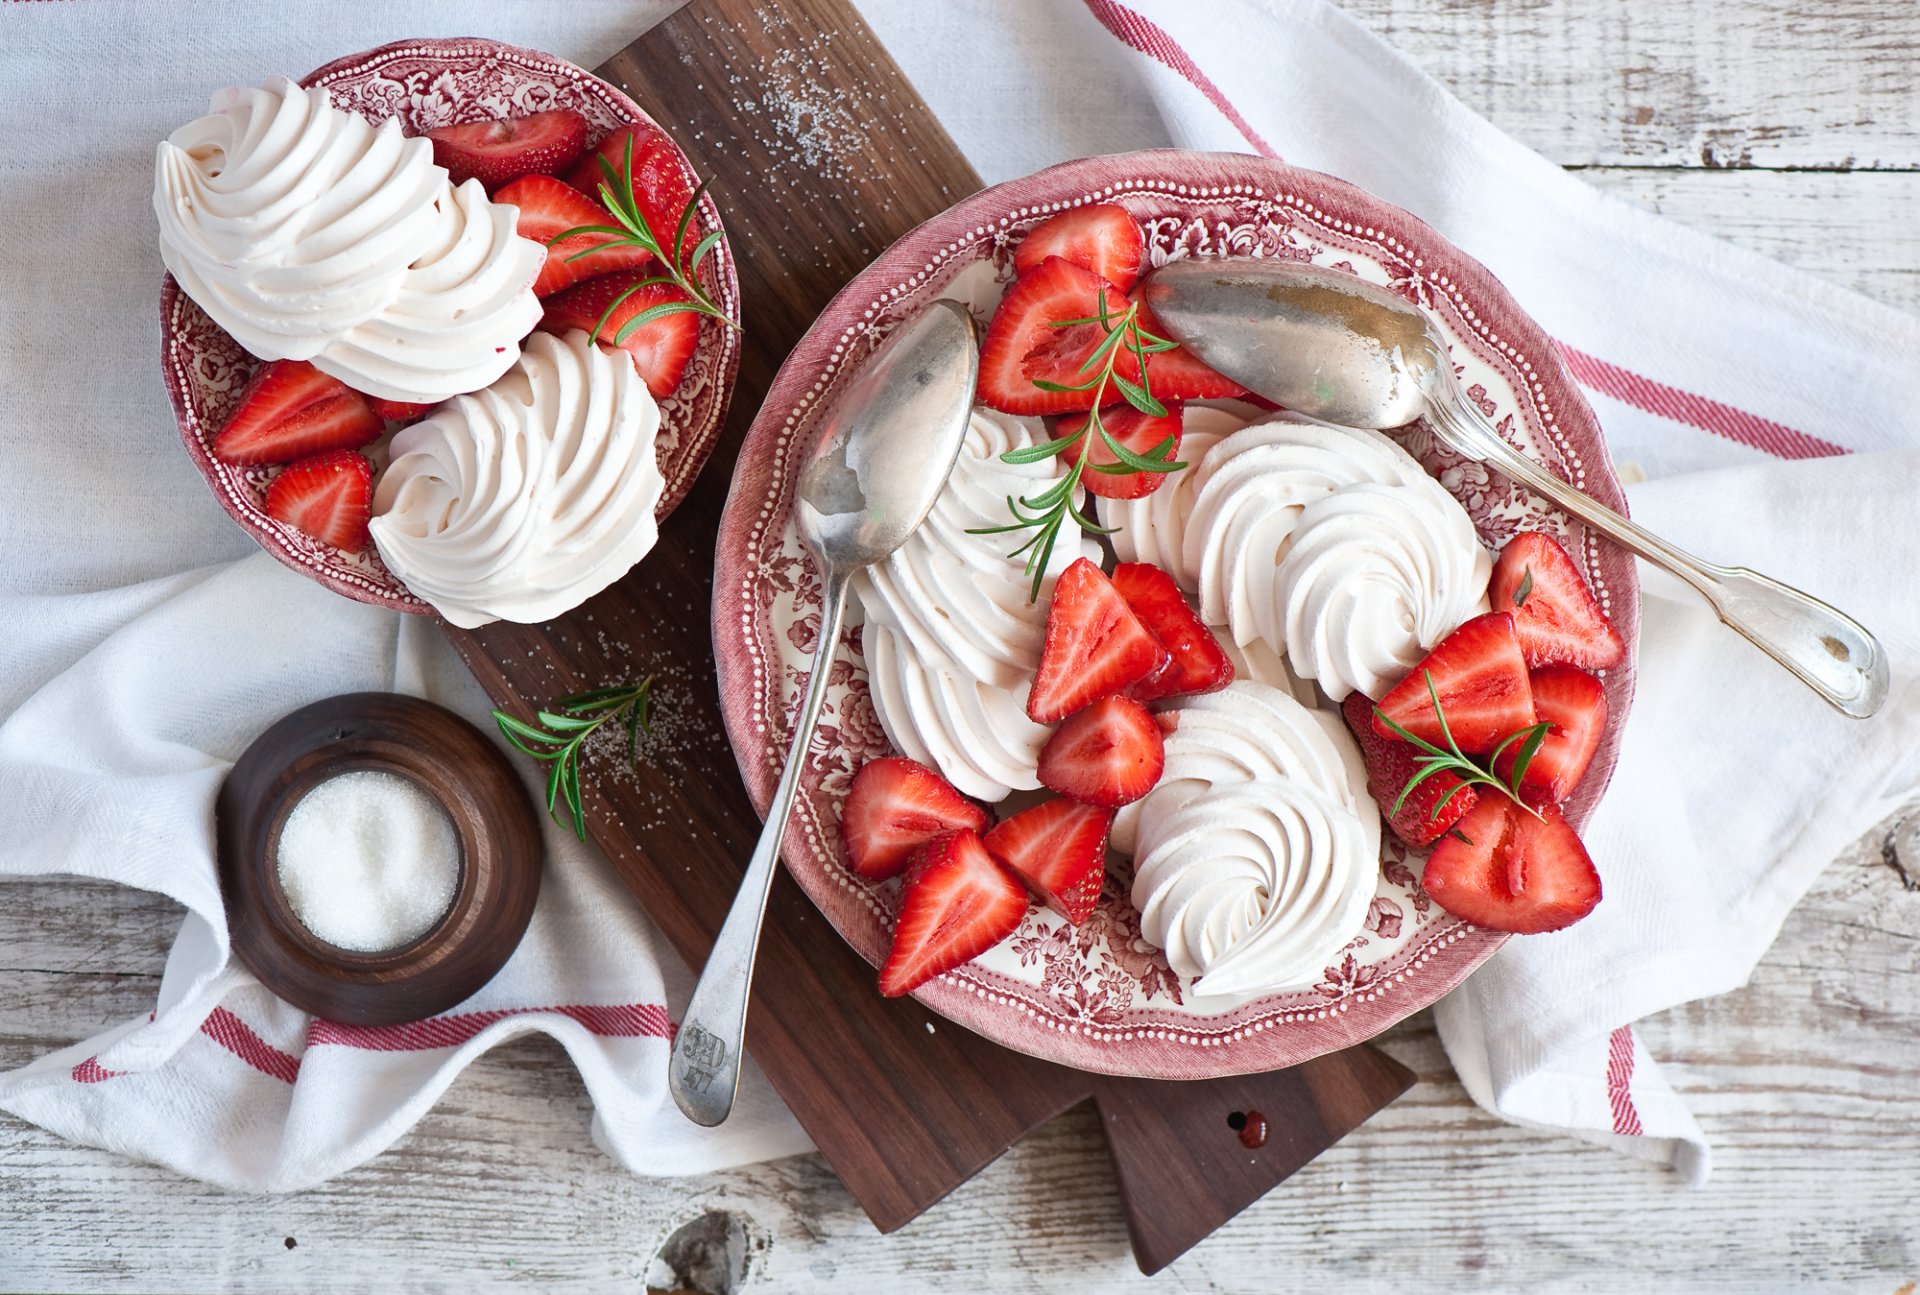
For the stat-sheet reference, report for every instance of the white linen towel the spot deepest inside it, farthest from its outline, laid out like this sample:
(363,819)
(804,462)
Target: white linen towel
(1723,377)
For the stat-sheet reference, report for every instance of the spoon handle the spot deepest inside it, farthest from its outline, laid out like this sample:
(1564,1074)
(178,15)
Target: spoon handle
(1825,649)
(704,1068)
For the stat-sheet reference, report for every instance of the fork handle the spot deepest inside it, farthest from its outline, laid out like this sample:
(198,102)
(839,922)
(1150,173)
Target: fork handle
(1824,648)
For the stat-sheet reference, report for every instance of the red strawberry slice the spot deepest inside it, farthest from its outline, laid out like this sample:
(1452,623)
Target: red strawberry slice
(327,496)
(957,904)
(1095,646)
(1176,374)
(1198,664)
(1138,433)
(662,184)
(1391,765)
(1558,621)
(894,807)
(661,348)
(1482,681)
(1575,703)
(497,152)
(548,209)
(397,411)
(1101,237)
(1059,849)
(1504,869)
(1022,345)
(1108,754)
(290,410)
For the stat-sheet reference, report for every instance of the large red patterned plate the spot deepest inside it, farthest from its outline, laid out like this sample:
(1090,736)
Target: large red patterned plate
(427,84)
(1099,997)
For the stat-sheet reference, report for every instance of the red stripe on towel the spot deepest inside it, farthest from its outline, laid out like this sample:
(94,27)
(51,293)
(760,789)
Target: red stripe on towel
(1149,38)
(237,1037)
(1626,1120)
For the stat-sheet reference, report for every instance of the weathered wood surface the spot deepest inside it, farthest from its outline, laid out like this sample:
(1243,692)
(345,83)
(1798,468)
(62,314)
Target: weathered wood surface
(1807,1080)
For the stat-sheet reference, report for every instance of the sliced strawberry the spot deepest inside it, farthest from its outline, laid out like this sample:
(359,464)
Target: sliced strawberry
(662,184)
(1021,343)
(497,152)
(1504,869)
(1108,754)
(661,348)
(1197,662)
(1095,646)
(1391,765)
(1101,237)
(1575,703)
(894,807)
(1136,432)
(548,209)
(1558,621)
(397,411)
(327,496)
(1059,848)
(1176,374)
(290,410)
(957,904)
(1482,681)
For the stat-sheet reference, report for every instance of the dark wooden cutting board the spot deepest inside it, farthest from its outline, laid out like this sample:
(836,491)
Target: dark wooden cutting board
(904,1105)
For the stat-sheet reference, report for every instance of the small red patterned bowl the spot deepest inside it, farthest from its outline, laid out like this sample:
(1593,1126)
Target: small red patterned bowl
(428,84)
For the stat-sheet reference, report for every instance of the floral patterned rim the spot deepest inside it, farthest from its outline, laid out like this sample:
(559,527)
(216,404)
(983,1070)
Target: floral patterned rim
(1099,998)
(427,84)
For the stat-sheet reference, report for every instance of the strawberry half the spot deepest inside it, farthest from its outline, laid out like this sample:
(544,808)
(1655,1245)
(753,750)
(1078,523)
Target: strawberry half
(957,904)
(1095,646)
(662,184)
(1108,754)
(396,411)
(289,410)
(894,807)
(1482,681)
(327,496)
(1575,703)
(1059,849)
(497,152)
(1558,621)
(1101,237)
(548,209)
(1504,869)
(1391,765)
(661,348)
(1021,343)
(1176,374)
(1198,664)
(1137,432)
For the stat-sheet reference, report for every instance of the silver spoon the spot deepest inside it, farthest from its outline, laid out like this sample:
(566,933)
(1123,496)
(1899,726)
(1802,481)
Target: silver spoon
(1332,346)
(884,452)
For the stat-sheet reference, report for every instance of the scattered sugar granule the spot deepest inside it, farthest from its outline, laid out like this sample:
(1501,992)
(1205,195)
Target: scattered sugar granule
(369,861)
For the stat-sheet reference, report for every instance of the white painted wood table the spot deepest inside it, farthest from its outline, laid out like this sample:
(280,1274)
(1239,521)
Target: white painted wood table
(1792,126)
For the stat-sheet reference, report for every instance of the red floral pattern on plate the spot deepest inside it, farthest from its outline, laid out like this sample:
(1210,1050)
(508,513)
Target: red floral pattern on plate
(1100,997)
(427,84)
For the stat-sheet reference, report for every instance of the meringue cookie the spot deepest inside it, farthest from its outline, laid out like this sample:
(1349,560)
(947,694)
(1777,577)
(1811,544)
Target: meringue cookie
(522,501)
(1258,853)
(1150,528)
(951,639)
(309,234)
(1333,546)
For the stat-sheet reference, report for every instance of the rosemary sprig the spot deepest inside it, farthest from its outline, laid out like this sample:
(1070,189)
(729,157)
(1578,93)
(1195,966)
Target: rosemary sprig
(617,194)
(1047,513)
(564,730)
(1452,760)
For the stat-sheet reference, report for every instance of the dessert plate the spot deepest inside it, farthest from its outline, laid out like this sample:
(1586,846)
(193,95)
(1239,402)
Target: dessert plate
(428,84)
(1100,998)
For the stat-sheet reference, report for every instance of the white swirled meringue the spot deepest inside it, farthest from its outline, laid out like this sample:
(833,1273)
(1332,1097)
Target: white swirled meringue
(309,234)
(522,501)
(1333,546)
(951,639)
(1151,527)
(1259,851)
